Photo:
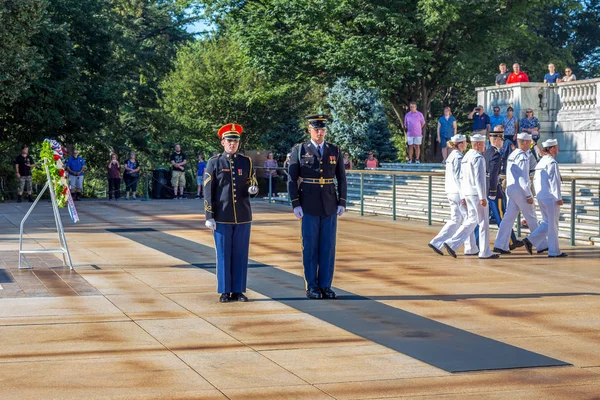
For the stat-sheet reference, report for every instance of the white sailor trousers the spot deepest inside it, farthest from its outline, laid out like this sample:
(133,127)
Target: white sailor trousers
(458,212)
(466,231)
(548,228)
(517,202)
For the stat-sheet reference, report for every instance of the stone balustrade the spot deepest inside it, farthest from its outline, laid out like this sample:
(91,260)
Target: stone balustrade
(569,112)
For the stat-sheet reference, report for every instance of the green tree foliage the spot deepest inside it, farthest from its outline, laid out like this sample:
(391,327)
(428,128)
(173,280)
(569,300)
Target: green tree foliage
(19,60)
(409,50)
(213,84)
(359,123)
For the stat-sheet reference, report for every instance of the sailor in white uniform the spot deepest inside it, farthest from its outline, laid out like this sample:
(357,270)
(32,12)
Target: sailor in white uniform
(458,208)
(520,198)
(546,182)
(474,189)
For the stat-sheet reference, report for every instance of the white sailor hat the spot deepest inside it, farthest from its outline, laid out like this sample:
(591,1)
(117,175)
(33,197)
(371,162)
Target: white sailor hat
(478,138)
(458,138)
(550,143)
(524,136)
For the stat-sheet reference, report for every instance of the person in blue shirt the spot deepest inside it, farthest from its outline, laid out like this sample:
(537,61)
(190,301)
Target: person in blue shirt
(199,181)
(75,166)
(552,76)
(496,119)
(481,121)
(446,128)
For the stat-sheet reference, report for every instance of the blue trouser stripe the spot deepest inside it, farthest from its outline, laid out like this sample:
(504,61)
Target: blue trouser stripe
(232,243)
(318,249)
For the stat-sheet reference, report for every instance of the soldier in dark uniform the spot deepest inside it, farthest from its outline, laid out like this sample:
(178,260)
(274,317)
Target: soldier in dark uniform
(314,167)
(229,181)
(496,197)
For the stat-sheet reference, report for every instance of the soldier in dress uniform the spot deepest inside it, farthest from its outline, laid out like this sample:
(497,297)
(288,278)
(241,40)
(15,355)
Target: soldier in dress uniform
(229,181)
(314,167)
(473,188)
(496,200)
(520,197)
(547,187)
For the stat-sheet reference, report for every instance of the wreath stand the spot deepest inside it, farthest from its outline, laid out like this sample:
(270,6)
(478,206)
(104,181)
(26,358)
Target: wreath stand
(64,249)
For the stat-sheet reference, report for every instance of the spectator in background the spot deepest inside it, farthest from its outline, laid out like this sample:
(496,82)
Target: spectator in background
(347,161)
(530,124)
(510,124)
(552,76)
(114,178)
(502,76)
(23,164)
(481,121)
(178,160)
(569,76)
(199,177)
(496,119)
(131,175)
(75,166)
(446,128)
(271,173)
(371,162)
(517,75)
(414,123)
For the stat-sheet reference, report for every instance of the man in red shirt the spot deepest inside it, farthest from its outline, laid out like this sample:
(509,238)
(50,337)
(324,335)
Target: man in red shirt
(517,75)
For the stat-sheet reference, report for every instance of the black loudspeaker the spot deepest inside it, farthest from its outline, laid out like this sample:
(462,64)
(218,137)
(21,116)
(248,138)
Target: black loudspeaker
(161,184)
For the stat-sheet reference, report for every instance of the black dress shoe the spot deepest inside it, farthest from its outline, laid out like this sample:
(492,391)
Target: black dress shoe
(542,251)
(528,246)
(501,251)
(490,257)
(449,250)
(314,294)
(516,245)
(225,298)
(328,293)
(561,255)
(472,254)
(239,297)
(438,251)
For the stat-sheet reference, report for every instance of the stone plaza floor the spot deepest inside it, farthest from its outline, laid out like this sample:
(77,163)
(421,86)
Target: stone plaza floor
(139,316)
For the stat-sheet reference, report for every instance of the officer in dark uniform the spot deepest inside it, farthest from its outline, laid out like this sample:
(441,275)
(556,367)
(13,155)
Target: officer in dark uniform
(313,170)
(496,197)
(229,181)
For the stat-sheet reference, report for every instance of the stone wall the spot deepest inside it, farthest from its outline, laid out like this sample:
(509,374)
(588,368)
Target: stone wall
(569,112)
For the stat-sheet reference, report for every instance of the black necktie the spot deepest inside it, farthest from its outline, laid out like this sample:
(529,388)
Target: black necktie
(320,149)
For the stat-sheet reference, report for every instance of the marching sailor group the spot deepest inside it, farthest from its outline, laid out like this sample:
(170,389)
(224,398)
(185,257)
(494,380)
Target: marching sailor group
(474,186)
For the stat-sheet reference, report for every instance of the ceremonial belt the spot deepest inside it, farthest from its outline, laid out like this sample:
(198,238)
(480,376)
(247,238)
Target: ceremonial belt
(320,181)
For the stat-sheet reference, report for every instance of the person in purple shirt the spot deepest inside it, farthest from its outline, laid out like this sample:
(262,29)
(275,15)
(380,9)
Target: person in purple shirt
(414,123)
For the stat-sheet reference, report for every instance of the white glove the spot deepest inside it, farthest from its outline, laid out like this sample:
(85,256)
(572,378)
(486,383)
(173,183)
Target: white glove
(298,212)
(252,190)
(340,210)
(211,224)
(493,198)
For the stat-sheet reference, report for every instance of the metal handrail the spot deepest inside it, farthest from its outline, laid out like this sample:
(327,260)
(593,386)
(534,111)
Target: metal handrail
(573,178)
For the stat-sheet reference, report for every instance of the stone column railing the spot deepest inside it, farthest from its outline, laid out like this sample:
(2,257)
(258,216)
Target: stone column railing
(568,111)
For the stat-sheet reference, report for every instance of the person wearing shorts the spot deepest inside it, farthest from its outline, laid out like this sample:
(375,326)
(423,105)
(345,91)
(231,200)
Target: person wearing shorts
(23,165)
(200,177)
(75,166)
(178,161)
(414,123)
